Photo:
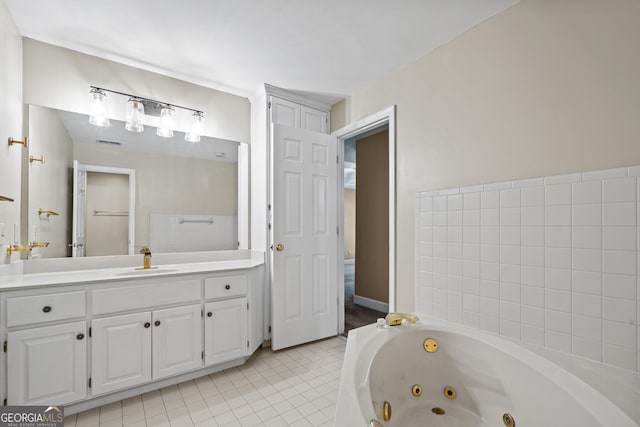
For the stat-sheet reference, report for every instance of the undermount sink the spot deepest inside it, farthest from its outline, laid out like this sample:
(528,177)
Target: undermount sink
(146,272)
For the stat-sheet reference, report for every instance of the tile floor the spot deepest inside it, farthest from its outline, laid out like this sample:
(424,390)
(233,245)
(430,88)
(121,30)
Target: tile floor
(293,387)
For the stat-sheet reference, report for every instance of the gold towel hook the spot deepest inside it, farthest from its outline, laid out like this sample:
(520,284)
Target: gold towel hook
(17,141)
(36,159)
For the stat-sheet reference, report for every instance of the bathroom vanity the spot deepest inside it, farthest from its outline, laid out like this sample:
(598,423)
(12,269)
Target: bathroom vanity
(86,337)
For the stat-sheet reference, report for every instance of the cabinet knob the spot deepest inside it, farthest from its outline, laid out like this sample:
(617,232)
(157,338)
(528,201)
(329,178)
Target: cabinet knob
(147,324)
(46,308)
(157,323)
(79,336)
(227,287)
(209,314)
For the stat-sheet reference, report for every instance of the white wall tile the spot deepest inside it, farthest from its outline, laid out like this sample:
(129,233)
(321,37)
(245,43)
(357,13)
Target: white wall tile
(440,219)
(448,191)
(604,174)
(556,278)
(530,182)
(533,215)
(454,252)
(587,282)
(490,324)
(532,276)
(490,271)
(586,237)
(510,311)
(490,289)
(440,234)
(510,198)
(558,215)
(440,203)
(558,237)
(471,303)
(510,273)
(454,266)
(558,194)
(490,253)
(619,310)
(532,236)
(587,215)
(619,356)
(619,262)
(557,300)
(426,219)
(490,217)
(439,250)
(587,305)
(471,235)
(510,235)
(533,335)
(558,321)
(454,234)
(426,204)
(563,179)
(497,186)
(454,299)
(634,171)
(471,285)
(533,196)
(490,307)
(510,292)
(619,190)
(440,297)
(587,260)
(471,252)
(471,269)
(558,341)
(587,348)
(510,216)
(471,319)
(510,329)
(471,218)
(510,255)
(532,256)
(587,192)
(426,234)
(440,311)
(587,327)
(558,257)
(472,189)
(471,200)
(619,286)
(621,238)
(454,202)
(454,219)
(489,199)
(439,265)
(533,316)
(533,296)
(620,334)
(619,214)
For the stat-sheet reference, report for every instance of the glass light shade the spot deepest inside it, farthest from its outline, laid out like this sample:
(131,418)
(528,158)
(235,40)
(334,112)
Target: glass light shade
(165,129)
(98,109)
(196,128)
(135,115)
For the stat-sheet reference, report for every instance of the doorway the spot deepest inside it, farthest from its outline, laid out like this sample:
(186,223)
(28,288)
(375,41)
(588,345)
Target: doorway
(381,127)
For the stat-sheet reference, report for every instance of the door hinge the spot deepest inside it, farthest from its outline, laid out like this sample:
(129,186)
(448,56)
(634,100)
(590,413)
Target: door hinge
(269,206)
(4,347)
(5,402)
(269,226)
(202,355)
(90,331)
(247,343)
(338,230)
(89,382)
(337,159)
(201,313)
(247,306)
(269,328)
(269,104)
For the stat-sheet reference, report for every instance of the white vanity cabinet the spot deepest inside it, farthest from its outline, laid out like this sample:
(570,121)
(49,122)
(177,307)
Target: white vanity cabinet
(133,349)
(47,364)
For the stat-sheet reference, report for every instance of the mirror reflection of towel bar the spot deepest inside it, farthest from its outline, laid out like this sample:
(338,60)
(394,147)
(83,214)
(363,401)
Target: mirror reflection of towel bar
(208,220)
(110,213)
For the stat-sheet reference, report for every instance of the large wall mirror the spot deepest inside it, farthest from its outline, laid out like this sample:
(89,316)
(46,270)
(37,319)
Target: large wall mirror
(106,191)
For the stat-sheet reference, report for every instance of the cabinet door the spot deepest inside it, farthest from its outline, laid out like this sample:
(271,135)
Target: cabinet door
(225,330)
(285,112)
(47,365)
(177,340)
(313,120)
(121,352)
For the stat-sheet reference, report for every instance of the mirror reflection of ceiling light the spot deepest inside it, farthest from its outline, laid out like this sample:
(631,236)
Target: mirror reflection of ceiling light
(99,114)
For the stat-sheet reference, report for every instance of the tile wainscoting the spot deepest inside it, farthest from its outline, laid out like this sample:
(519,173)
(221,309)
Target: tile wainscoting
(551,261)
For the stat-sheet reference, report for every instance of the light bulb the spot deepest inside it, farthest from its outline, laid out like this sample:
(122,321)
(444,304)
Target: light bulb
(165,129)
(196,128)
(98,109)
(135,115)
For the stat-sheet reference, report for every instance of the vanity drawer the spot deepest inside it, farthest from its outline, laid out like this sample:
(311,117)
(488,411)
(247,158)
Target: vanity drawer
(148,295)
(45,308)
(225,286)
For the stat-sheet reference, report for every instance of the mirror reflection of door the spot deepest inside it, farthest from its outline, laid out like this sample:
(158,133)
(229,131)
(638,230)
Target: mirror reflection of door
(107,214)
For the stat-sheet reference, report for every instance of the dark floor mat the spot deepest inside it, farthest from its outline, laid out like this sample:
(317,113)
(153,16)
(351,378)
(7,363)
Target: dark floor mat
(356,315)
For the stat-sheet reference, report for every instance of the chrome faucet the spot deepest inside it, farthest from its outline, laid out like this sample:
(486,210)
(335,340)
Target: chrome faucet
(395,319)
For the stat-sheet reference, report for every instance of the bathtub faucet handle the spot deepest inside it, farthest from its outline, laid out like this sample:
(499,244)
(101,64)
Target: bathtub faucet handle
(395,319)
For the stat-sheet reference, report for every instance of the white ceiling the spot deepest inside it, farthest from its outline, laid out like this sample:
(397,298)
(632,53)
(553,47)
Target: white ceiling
(330,48)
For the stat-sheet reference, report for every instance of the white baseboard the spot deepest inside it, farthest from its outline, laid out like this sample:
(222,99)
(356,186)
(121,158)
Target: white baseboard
(371,303)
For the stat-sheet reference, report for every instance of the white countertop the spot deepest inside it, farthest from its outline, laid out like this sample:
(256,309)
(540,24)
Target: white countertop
(18,280)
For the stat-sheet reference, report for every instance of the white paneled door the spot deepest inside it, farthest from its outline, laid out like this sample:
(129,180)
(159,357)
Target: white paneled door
(304,255)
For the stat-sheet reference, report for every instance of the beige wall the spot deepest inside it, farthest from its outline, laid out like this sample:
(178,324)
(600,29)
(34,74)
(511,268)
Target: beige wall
(60,78)
(49,183)
(169,184)
(107,234)
(372,217)
(349,224)
(10,126)
(542,88)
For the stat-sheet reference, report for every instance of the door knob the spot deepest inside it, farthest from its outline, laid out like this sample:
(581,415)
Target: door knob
(279,247)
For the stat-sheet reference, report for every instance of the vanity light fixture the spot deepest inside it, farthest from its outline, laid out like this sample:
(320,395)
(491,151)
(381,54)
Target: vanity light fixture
(135,115)
(165,129)
(137,107)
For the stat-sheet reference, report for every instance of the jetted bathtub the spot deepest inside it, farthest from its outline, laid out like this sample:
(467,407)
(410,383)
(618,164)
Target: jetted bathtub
(392,376)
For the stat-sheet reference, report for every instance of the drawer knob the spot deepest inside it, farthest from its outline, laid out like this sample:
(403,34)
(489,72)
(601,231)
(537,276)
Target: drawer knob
(209,314)
(79,336)
(147,324)
(227,287)
(157,323)
(46,308)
